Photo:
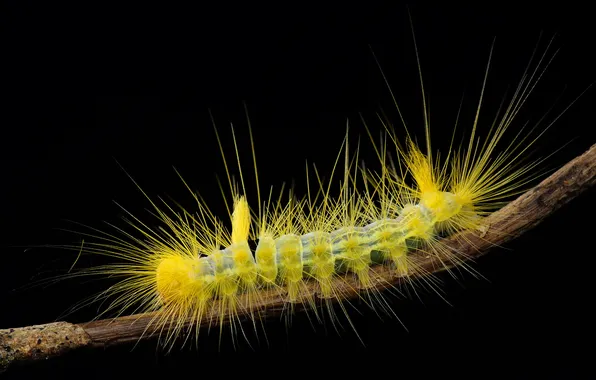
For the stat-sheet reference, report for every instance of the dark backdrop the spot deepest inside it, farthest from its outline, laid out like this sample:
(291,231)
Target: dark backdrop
(87,87)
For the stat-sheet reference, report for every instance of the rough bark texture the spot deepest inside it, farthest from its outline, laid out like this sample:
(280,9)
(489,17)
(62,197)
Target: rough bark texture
(40,342)
(44,341)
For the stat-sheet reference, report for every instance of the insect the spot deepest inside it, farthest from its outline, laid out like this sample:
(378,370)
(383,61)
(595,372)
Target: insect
(351,233)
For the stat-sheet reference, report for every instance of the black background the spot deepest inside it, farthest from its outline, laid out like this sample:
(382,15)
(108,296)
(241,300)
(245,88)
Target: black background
(85,88)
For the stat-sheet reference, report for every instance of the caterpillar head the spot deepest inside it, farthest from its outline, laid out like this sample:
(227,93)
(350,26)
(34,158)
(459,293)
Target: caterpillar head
(178,278)
(443,204)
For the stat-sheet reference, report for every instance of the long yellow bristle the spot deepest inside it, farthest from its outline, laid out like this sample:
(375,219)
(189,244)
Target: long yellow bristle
(240,221)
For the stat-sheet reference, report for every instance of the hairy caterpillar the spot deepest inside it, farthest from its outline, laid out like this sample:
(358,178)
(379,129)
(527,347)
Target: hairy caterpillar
(379,216)
(263,154)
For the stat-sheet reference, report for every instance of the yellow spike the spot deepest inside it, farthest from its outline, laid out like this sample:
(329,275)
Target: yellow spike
(422,170)
(240,220)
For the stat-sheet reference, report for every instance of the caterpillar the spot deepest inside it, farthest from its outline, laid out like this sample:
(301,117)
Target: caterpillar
(196,263)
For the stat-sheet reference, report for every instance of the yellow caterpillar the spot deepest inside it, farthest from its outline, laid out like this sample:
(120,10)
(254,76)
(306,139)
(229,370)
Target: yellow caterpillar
(380,214)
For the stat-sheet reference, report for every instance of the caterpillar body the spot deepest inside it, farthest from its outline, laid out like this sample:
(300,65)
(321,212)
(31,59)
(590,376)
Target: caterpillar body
(195,265)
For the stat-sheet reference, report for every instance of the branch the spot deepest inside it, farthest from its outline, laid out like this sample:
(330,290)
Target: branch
(21,345)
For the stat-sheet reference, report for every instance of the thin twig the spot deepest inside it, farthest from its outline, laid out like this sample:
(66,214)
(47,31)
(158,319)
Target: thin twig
(31,343)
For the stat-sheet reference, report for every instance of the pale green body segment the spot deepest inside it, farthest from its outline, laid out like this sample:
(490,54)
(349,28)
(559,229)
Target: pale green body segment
(290,259)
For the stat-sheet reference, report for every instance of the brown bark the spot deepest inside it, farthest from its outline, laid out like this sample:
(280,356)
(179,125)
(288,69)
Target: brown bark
(40,342)
(44,341)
